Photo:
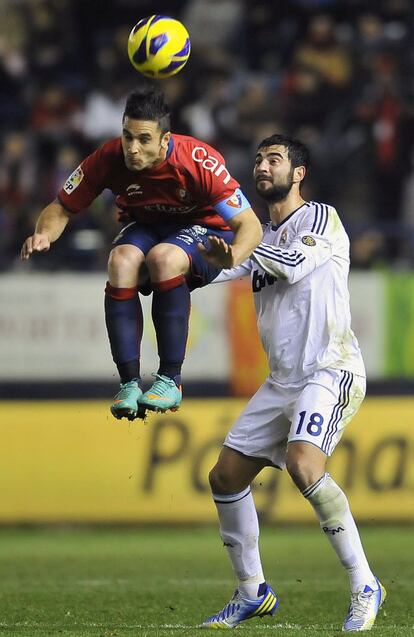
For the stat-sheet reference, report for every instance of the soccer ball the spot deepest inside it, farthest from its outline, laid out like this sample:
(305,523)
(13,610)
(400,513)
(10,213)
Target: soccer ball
(159,46)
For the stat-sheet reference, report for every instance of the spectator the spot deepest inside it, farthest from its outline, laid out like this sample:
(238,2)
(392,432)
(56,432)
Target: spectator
(337,74)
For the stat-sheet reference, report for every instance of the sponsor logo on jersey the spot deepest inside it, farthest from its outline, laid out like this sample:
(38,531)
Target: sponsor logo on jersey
(73,181)
(308,241)
(283,238)
(260,280)
(164,207)
(235,201)
(210,163)
(134,189)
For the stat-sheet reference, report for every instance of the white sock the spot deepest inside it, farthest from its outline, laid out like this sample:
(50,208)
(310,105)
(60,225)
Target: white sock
(239,530)
(332,509)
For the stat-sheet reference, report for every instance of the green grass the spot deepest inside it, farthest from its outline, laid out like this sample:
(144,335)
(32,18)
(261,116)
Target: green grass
(163,582)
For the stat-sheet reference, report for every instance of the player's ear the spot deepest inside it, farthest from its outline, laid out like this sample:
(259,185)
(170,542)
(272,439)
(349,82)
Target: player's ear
(299,173)
(165,140)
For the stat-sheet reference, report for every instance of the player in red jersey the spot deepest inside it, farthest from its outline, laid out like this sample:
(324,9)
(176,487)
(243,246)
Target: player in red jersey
(173,192)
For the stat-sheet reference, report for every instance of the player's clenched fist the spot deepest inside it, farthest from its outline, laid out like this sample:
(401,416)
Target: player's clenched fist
(50,225)
(35,243)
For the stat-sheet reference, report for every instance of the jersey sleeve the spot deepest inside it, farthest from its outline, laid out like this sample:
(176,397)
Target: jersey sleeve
(311,247)
(215,185)
(85,183)
(239,272)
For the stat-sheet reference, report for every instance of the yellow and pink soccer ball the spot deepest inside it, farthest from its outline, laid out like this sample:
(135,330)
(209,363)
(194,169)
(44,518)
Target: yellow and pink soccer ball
(159,46)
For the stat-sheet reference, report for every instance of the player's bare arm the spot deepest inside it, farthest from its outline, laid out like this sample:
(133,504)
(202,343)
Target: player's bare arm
(247,236)
(217,251)
(50,225)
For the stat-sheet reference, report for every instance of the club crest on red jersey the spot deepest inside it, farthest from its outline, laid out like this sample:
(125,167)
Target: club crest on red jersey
(183,194)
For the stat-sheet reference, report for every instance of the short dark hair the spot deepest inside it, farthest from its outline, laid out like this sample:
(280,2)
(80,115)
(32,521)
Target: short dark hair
(148,104)
(298,153)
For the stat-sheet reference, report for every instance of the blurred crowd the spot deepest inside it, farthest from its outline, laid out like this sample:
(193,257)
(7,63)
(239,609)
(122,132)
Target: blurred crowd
(339,74)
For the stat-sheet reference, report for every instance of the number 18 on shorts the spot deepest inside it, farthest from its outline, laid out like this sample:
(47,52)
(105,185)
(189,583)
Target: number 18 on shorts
(315,410)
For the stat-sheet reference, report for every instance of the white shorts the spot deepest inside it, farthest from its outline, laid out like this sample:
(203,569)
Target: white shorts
(316,410)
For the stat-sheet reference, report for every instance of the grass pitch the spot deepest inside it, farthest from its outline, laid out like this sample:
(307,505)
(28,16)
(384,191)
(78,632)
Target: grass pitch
(164,582)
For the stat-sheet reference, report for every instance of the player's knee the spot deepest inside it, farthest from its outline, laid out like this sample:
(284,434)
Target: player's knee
(305,464)
(222,481)
(301,470)
(125,258)
(124,265)
(166,261)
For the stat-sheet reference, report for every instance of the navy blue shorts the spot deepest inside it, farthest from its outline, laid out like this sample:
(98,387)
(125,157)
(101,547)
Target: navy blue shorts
(146,236)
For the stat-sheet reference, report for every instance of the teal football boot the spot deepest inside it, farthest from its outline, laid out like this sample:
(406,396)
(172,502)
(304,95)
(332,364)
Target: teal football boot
(162,395)
(125,403)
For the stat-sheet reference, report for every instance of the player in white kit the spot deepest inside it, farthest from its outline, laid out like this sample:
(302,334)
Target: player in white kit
(299,276)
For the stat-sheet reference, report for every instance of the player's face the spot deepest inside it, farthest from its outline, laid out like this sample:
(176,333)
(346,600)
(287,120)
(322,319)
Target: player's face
(143,144)
(273,173)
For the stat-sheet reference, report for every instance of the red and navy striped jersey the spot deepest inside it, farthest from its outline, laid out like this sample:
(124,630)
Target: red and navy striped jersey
(192,185)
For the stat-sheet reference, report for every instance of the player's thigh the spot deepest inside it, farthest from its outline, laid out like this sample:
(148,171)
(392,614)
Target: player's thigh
(325,406)
(261,431)
(141,235)
(199,272)
(165,261)
(126,263)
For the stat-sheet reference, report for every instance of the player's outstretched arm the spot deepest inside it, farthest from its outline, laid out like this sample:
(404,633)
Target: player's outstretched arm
(50,225)
(217,252)
(247,235)
(306,253)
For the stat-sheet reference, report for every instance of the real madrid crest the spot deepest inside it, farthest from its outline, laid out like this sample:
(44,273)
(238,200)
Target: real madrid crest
(283,238)
(308,241)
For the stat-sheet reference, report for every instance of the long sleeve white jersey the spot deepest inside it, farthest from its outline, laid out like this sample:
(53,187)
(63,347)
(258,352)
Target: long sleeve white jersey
(299,277)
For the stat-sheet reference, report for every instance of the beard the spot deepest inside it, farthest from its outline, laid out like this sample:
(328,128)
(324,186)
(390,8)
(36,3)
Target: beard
(277,192)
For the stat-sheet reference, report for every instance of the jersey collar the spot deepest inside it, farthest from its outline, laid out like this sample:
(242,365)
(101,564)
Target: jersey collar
(289,216)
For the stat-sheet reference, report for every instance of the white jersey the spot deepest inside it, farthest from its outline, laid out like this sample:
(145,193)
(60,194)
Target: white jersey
(299,276)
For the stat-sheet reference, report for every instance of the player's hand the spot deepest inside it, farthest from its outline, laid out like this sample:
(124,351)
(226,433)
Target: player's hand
(35,243)
(218,252)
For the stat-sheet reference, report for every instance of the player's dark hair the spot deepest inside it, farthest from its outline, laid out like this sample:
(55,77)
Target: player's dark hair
(148,104)
(298,153)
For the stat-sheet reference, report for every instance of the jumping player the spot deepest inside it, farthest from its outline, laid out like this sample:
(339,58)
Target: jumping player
(173,192)
(316,384)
